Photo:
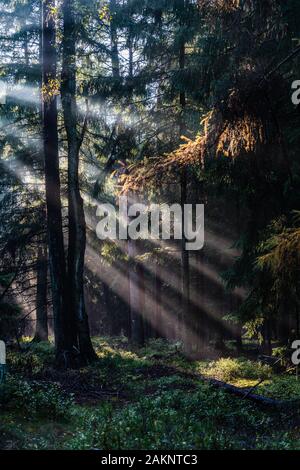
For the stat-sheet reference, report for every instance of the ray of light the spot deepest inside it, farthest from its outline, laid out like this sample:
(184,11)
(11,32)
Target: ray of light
(203,268)
(20,92)
(28,140)
(24,175)
(174,284)
(109,276)
(112,115)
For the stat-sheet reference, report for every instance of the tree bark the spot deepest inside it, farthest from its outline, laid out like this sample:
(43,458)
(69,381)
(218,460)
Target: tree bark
(185,273)
(52,180)
(159,327)
(114,41)
(41,329)
(137,330)
(185,288)
(77,227)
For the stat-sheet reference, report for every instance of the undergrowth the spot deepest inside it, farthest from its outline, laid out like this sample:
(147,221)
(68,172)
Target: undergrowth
(140,398)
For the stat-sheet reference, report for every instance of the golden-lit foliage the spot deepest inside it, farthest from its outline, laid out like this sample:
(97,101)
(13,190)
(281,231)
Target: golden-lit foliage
(283,258)
(104,13)
(243,135)
(53,12)
(241,123)
(155,171)
(50,89)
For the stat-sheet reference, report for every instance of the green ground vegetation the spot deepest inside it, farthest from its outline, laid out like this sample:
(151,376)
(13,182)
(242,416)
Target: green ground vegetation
(147,398)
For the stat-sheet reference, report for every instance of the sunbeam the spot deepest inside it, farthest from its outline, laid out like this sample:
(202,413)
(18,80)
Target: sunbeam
(19,93)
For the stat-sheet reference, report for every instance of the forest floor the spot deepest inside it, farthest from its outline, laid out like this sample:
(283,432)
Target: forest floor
(147,398)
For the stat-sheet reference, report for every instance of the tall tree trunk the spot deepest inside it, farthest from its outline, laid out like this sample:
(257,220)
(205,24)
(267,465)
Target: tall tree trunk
(137,330)
(185,288)
(159,327)
(127,298)
(41,329)
(145,325)
(114,41)
(185,268)
(52,179)
(77,226)
(107,303)
(136,320)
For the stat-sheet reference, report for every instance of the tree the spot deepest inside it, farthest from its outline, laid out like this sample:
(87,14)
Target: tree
(41,328)
(76,219)
(50,89)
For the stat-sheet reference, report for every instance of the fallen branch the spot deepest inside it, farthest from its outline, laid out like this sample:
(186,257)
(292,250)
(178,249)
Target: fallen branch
(260,399)
(245,393)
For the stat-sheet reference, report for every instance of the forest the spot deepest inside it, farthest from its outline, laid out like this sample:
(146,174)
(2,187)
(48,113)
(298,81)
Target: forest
(152,342)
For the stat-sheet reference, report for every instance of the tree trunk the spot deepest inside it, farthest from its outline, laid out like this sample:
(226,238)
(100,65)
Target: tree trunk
(185,288)
(52,179)
(41,329)
(185,273)
(77,227)
(159,325)
(145,323)
(137,334)
(115,62)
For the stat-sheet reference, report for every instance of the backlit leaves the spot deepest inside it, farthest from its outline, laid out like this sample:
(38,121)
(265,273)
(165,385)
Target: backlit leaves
(50,90)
